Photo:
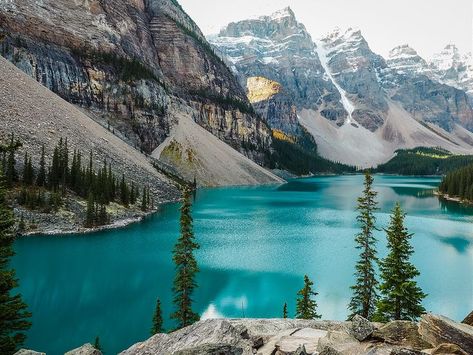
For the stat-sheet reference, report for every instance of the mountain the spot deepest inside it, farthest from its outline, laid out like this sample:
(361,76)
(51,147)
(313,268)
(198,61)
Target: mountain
(129,65)
(452,68)
(37,116)
(359,107)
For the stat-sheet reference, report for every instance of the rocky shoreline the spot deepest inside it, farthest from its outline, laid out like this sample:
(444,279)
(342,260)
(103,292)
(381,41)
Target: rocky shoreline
(432,335)
(70,221)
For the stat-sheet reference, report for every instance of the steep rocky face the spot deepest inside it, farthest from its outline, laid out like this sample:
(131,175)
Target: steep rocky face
(342,93)
(452,68)
(279,48)
(125,62)
(405,60)
(353,66)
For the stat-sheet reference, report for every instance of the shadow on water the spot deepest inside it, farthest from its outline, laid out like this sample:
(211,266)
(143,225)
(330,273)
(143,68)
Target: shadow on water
(460,244)
(300,186)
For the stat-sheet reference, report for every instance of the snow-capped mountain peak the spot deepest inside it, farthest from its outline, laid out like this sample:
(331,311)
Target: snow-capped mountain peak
(281,14)
(405,60)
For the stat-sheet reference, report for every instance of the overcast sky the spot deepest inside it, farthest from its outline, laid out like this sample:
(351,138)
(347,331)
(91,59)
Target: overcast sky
(426,25)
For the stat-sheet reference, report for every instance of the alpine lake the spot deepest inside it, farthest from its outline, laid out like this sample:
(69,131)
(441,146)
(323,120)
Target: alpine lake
(256,244)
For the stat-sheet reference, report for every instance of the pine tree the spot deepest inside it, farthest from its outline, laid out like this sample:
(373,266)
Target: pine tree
(186,267)
(306,307)
(365,295)
(157,319)
(97,344)
(284,310)
(401,298)
(14,319)
(144,200)
(10,173)
(90,213)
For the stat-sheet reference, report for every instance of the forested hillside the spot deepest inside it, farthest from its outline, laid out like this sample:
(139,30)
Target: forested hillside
(424,161)
(458,183)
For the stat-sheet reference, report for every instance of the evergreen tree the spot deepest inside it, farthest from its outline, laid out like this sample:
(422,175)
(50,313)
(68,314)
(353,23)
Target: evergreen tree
(10,173)
(284,310)
(28,172)
(157,319)
(14,317)
(97,344)
(306,307)
(90,213)
(41,178)
(144,200)
(186,267)
(401,298)
(365,296)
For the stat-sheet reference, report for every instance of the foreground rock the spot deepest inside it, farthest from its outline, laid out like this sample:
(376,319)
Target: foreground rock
(468,319)
(433,335)
(86,349)
(439,330)
(28,352)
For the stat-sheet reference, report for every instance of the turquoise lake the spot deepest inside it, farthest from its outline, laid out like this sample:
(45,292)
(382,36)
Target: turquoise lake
(256,245)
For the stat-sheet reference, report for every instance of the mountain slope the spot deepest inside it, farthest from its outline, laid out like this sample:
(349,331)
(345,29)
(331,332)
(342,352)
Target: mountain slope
(199,155)
(361,108)
(37,116)
(128,63)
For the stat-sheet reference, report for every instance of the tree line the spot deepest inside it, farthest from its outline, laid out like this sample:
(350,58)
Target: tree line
(458,183)
(68,171)
(424,161)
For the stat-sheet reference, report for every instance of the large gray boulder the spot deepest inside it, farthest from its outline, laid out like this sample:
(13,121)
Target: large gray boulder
(438,330)
(86,349)
(28,352)
(402,333)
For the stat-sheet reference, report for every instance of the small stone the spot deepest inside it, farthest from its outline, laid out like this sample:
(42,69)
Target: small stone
(361,328)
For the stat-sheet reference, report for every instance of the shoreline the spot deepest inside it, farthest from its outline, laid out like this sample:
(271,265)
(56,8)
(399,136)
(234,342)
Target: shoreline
(118,224)
(452,199)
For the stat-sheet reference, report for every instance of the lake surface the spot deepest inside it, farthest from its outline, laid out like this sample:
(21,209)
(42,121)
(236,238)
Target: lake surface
(256,245)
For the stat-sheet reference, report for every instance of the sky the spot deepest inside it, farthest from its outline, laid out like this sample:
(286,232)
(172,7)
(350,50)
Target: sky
(426,25)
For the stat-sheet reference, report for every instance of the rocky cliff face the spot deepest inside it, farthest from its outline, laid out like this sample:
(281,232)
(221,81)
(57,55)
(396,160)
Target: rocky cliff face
(126,63)
(343,93)
(279,48)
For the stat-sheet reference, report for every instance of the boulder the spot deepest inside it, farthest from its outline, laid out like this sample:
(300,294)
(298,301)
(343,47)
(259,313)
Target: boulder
(361,328)
(211,349)
(438,330)
(339,343)
(468,319)
(28,352)
(402,333)
(446,349)
(86,349)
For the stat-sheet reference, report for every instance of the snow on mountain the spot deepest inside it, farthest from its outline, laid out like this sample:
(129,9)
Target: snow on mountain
(359,107)
(405,60)
(453,68)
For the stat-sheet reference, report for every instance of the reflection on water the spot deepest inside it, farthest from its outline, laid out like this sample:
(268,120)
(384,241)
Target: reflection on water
(256,245)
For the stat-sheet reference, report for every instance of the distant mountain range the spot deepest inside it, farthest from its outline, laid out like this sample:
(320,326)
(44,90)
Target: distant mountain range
(359,106)
(258,94)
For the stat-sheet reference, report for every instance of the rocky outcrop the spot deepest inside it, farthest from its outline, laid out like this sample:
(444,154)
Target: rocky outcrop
(28,352)
(438,330)
(86,349)
(468,319)
(127,64)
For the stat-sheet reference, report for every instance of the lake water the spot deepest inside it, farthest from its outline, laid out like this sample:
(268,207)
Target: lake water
(256,245)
